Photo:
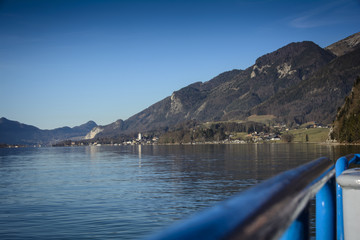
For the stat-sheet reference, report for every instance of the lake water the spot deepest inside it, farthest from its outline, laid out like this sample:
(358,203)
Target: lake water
(128,192)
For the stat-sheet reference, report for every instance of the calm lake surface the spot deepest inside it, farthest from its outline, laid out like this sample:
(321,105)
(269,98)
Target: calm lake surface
(128,192)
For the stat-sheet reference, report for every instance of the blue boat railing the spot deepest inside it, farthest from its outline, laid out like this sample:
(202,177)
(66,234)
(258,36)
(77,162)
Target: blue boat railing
(277,208)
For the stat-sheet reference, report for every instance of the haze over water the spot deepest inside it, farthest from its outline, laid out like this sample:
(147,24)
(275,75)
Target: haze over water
(128,192)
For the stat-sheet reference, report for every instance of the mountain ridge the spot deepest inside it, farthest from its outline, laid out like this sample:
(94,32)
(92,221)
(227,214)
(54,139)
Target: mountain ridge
(232,94)
(14,132)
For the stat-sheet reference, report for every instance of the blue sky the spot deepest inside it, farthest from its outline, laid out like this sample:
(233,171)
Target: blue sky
(65,62)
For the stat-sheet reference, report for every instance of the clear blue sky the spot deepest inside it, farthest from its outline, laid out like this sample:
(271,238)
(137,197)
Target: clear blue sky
(64,62)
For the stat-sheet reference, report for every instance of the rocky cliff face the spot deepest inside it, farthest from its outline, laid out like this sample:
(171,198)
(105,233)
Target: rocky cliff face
(93,132)
(296,83)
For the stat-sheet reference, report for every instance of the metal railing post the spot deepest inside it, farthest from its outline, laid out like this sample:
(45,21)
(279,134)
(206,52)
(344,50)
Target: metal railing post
(340,166)
(325,212)
(299,229)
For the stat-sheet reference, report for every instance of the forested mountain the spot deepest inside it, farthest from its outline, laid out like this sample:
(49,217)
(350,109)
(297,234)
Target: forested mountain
(13,132)
(347,124)
(297,83)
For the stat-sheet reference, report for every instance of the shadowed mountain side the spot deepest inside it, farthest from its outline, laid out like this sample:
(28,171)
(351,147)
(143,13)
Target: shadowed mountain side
(317,98)
(347,124)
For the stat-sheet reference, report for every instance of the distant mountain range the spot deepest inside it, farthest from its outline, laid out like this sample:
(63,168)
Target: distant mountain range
(12,132)
(297,83)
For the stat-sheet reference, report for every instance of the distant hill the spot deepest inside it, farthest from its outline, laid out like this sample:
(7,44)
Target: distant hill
(347,124)
(297,83)
(13,132)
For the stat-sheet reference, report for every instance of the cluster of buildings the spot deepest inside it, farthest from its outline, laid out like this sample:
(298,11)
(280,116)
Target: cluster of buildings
(263,137)
(139,140)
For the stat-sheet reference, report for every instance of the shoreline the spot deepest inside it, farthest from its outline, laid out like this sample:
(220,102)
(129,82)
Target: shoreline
(185,144)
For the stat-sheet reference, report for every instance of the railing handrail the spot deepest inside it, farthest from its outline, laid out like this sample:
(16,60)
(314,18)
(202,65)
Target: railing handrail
(264,211)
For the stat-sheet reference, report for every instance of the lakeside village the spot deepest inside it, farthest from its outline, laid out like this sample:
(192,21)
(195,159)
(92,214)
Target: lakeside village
(310,133)
(253,137)
(281,134)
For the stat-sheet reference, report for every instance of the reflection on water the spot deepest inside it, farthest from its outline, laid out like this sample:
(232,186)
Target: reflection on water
(139,153)
(127,192)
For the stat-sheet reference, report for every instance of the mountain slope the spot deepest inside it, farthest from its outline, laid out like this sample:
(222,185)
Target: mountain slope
(346,45)
(13,132)
(347,124)
(232,94)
